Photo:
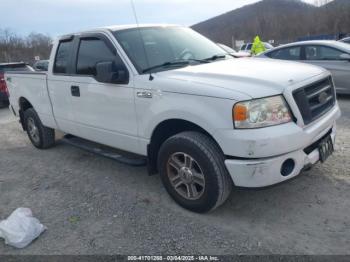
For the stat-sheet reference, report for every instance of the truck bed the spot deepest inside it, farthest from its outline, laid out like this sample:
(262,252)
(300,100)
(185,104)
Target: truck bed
(32,86)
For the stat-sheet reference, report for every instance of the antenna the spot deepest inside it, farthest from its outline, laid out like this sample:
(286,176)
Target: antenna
(141,39)
(134,11)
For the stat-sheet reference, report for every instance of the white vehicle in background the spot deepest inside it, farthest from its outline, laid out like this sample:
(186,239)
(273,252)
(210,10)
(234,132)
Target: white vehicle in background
(204,120)
(345,40)
(246,48)
(41,65)
(233,52)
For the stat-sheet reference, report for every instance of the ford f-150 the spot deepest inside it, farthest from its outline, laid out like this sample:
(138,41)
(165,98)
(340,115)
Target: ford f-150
(205,121)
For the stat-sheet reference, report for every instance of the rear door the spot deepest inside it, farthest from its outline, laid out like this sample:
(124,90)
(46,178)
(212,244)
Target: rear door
(104,112)
(59,83)
(330,58)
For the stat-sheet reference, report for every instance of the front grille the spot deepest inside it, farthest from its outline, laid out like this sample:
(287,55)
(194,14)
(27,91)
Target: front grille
(315,100)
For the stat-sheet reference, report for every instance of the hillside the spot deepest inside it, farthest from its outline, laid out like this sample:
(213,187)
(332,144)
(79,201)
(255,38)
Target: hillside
(281,20)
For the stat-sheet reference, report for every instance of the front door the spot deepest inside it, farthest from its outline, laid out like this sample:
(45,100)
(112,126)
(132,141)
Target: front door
(104,112)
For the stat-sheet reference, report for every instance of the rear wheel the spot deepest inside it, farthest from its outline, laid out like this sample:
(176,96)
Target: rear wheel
(193,171)
(41,137)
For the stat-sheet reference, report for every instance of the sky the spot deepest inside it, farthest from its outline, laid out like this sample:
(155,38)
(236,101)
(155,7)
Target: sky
(57,17)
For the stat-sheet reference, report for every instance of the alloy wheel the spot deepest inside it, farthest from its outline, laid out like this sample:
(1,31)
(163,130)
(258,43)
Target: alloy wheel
(33,130)
(186,176)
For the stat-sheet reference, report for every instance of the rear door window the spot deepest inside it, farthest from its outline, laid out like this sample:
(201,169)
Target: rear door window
(63,57)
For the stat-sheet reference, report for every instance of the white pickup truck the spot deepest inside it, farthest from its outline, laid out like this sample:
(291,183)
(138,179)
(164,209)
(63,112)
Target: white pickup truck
(205,121)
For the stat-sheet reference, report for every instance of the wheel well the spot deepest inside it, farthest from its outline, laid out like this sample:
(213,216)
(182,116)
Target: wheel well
(164,131)
(24,104)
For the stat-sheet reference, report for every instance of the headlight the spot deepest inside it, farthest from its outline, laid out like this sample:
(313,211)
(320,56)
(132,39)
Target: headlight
(261,112)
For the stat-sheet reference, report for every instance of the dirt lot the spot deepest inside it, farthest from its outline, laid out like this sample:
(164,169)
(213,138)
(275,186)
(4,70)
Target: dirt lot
(93,205)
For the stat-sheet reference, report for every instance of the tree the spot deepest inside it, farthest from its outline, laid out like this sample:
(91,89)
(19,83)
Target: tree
(14,48)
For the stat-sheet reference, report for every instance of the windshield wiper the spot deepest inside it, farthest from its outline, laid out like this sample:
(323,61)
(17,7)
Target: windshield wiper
(167,64)
(215,57)
(202,61)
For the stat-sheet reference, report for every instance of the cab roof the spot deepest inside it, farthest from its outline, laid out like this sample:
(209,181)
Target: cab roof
(134,26)
(117,28)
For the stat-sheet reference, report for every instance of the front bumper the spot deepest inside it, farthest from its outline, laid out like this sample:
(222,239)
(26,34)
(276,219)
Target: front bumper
(268,171)
(266,150)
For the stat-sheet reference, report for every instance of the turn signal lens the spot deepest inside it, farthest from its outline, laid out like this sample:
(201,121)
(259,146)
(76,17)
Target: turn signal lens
(240,113)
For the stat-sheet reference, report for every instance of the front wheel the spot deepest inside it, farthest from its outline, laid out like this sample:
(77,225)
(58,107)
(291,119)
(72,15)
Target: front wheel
(41,137)
(193,172)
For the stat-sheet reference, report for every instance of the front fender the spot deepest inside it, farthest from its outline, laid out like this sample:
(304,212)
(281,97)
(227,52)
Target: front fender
(206,112)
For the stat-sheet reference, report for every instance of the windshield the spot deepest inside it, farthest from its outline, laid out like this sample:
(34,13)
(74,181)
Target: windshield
(152,47)
(345,40)
(268,46)
(344,46)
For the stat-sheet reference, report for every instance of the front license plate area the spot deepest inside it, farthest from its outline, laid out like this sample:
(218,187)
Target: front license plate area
(326,148)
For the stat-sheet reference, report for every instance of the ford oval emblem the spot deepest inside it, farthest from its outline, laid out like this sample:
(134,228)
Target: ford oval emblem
(322,98)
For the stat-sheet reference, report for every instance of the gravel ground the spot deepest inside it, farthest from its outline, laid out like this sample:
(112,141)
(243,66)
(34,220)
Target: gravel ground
(93,205)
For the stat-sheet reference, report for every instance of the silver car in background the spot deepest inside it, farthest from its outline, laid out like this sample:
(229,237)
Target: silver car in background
(331,55)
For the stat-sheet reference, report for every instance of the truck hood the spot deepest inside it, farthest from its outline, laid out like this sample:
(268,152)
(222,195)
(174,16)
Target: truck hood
(253,77)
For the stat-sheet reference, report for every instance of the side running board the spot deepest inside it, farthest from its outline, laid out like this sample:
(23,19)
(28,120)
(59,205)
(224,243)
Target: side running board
(105,151)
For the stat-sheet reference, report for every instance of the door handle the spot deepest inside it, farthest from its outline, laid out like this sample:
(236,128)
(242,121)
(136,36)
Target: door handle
(144,94)
(75,90)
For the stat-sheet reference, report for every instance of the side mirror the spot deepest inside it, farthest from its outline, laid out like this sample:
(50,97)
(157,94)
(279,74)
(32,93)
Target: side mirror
(345,57)
(107,72)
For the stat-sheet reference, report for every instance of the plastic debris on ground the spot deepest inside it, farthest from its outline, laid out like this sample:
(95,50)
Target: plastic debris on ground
(20,228)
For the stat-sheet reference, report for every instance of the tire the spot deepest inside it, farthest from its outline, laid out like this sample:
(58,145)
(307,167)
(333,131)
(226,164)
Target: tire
(193,172)
(41,137)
